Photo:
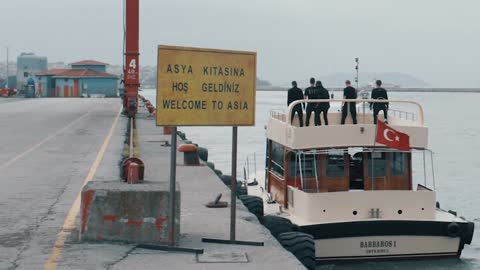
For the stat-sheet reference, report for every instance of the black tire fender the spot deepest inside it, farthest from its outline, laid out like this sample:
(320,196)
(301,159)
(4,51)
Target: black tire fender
(453,229)
(254,204)
(301,245)
(277,225)
(468,235)
(202,153)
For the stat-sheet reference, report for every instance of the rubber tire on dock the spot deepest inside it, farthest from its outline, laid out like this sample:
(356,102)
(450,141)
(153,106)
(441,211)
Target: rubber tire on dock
(211,165)
(301,245)
(226,179)
(241,191)
(181,135)
(202,153)
(277,225)
(254,204)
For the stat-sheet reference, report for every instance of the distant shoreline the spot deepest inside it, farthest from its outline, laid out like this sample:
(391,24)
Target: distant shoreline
(433,90)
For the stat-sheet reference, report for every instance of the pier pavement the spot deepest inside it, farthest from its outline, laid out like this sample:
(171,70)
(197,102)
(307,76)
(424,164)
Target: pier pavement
(54,146)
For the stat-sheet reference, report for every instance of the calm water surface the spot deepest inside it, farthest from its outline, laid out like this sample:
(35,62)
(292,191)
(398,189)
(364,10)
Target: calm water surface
(453,136)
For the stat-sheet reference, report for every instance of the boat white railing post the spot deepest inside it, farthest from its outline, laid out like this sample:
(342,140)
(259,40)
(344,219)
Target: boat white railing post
(248,170)
(254,167)
(433,170)
(364,112)
(424,169)
(315,168)
(295,168)
(301,170)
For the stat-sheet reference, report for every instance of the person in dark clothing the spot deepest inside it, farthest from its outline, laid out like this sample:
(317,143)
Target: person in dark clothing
(379,93)
(294,94)
(323,106)
(349,93)
(312,93)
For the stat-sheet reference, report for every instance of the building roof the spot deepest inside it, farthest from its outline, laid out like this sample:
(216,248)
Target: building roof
(83,73)
(53,71)
(89,63)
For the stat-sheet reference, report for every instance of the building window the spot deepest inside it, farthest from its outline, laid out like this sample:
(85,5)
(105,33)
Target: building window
(277,158)
(335,164)
(397,163)
(378,163)
(25,74)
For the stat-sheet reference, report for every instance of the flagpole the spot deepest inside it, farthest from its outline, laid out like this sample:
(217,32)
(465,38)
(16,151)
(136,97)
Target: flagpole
(372,158)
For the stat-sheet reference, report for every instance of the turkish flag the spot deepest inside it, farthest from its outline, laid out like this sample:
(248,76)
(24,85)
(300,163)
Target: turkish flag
(392,138)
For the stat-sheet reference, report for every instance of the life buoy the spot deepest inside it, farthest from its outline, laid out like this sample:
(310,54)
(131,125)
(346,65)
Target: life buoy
(453,229)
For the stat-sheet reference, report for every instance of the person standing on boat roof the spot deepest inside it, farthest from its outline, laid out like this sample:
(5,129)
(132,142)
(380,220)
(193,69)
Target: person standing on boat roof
(349,93)
(294,94)
(379,93)
(323,106)
(312,93)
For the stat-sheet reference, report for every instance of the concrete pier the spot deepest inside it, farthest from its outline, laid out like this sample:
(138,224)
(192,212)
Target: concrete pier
(55,146)
(135,213)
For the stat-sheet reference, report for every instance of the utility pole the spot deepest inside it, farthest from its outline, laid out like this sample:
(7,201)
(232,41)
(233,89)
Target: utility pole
(6,86)
(132,65)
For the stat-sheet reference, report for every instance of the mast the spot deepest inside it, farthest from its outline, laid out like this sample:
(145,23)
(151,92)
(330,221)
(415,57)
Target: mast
(356,68)
(6,85)
(357,63)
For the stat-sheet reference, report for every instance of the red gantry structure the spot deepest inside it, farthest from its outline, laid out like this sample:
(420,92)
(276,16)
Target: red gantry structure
(131,67)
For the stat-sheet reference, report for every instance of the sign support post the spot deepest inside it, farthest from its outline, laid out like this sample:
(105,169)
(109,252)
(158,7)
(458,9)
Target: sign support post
(233,185)
(173,172)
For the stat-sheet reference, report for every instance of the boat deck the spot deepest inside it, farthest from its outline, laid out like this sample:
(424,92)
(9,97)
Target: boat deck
(404,116)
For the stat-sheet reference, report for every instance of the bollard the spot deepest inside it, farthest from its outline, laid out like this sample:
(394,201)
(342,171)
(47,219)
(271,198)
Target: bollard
(190,156)
(133,173)
(167,130)
(126,166)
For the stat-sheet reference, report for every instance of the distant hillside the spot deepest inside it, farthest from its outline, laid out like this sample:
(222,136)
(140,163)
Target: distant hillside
(396,78)
(261,82)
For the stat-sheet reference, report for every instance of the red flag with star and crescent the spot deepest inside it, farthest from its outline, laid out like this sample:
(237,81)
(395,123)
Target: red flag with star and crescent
(392,138)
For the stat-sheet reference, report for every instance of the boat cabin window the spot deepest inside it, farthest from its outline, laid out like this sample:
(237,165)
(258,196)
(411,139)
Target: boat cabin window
(397,163)
(378,167)
(278,151)
(335,164)
(305,163)
(356,169)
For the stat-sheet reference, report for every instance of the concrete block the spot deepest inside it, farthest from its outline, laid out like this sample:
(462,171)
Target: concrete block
(116,211)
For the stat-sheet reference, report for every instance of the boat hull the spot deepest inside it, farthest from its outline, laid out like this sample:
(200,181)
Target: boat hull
(385,248)
(388,240)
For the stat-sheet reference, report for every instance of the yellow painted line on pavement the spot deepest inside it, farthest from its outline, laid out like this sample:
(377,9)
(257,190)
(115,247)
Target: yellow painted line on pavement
(32,148)
(69,223)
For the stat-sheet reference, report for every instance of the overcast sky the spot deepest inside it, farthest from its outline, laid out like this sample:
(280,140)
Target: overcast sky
(435,40)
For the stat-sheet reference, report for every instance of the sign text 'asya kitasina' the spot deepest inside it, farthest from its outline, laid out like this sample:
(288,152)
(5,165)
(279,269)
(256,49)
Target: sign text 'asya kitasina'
(205,87)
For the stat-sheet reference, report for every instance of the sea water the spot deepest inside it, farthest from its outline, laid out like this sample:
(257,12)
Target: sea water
(453,137)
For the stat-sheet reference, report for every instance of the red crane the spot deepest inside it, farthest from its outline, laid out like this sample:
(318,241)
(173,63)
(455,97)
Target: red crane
(131,65)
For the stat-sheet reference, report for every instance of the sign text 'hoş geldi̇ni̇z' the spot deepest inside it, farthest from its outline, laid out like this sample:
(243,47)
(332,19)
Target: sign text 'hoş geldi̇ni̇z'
(205,87)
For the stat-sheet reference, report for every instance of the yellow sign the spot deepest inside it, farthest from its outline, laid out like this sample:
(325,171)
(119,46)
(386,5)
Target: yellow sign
(205,87)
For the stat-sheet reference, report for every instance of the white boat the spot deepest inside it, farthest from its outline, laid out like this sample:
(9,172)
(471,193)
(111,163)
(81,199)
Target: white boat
(323,181)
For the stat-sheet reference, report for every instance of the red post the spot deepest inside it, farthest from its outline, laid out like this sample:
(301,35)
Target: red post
(131,72)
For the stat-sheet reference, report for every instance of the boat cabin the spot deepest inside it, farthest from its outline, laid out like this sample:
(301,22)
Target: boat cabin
(336,158)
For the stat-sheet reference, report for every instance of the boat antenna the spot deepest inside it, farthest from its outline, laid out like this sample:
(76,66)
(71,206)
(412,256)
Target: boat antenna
(356,68)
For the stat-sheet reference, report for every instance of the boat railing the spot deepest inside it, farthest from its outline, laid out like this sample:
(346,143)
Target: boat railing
(363,109)
(277,114)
